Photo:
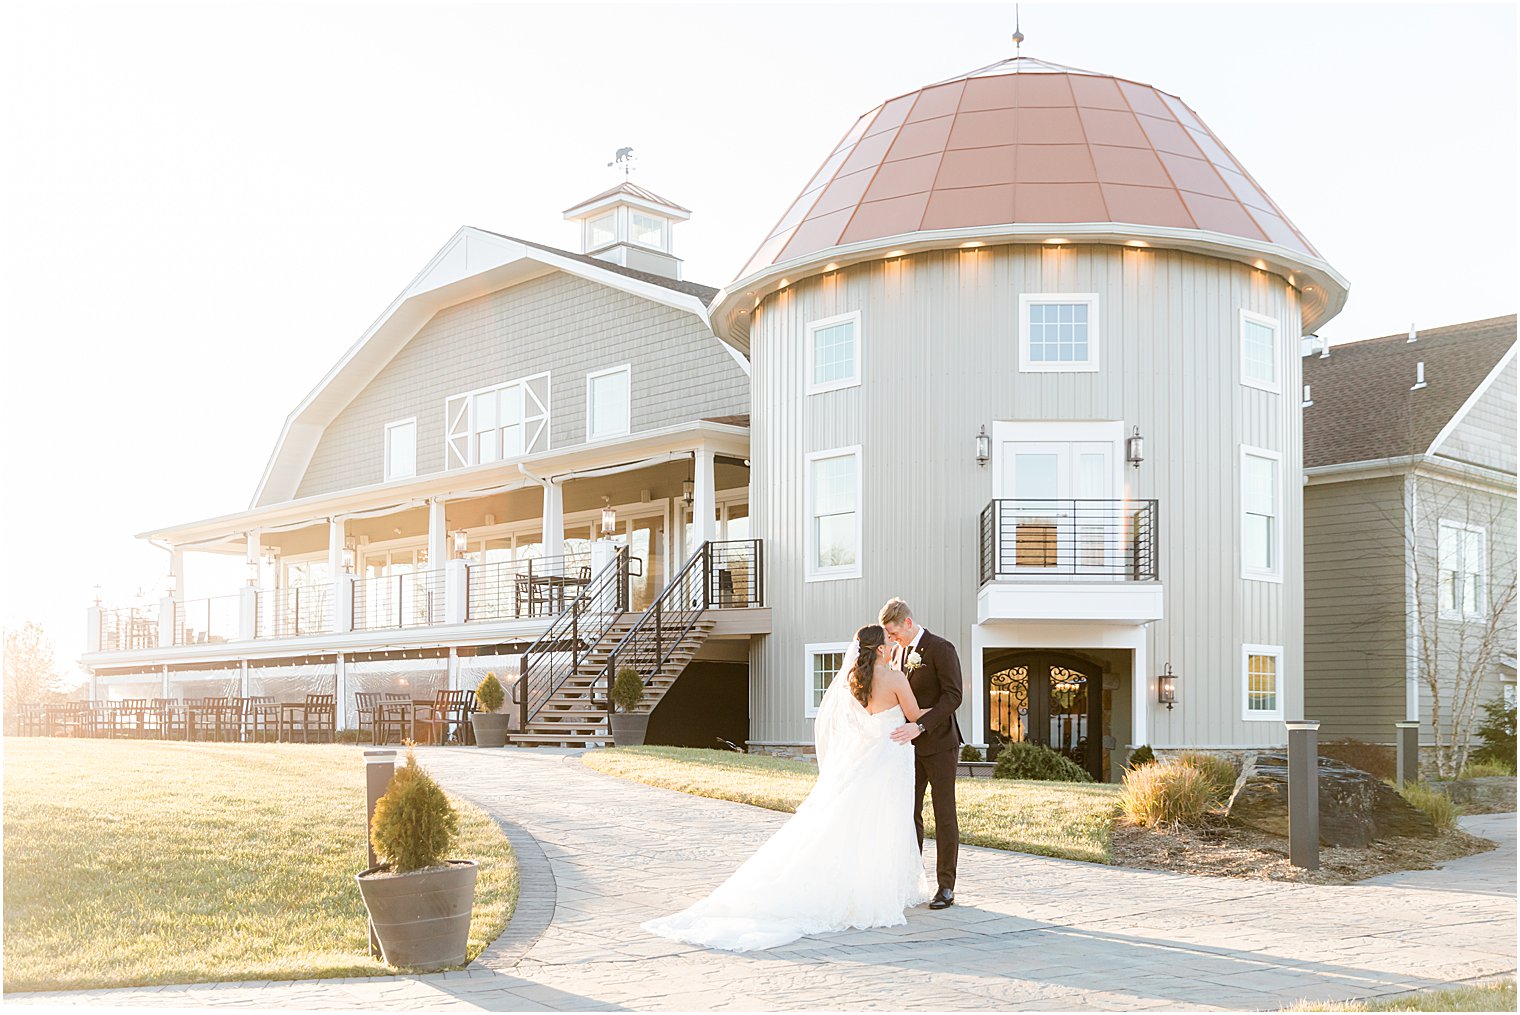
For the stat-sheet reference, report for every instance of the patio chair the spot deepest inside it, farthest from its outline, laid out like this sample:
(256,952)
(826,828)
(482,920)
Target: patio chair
(126,718)
(31,720)
(166,719)
(531,593)
(75,719)
(222,718)
(450,711)
(364,711)
(319,715)
(258,715)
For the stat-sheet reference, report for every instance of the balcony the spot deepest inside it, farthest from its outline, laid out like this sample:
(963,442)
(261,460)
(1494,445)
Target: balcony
(1070,560)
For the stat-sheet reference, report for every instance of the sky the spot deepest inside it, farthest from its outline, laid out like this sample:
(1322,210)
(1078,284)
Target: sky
(203,206)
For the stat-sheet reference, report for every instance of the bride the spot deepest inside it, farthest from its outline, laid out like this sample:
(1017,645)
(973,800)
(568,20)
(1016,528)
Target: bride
(849,857)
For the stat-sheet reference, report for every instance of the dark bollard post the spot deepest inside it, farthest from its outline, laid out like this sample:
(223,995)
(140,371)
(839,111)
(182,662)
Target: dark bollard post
(379,767)
(1303,794)
(1407,747)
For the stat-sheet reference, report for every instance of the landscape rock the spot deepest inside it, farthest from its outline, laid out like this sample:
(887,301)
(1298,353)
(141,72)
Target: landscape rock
(1355,808)
(1488,795)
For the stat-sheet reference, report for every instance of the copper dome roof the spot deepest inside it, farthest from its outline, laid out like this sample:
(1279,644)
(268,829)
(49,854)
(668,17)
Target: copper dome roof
(1024,141)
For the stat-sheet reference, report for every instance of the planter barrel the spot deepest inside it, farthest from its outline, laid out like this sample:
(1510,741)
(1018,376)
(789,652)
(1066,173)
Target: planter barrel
(421,918)
(490,729)
(628,728)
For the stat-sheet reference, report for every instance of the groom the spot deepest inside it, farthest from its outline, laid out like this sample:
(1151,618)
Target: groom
(934,673)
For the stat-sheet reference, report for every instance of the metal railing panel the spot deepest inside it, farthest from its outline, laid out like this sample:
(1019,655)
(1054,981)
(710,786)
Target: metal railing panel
(296,611)
(514,589)
(128,627)
(413,599)
(557,653)
(207,621)
(1026,540)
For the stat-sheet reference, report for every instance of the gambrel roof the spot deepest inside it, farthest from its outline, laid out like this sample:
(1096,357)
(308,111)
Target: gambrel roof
(473,263)
(1363,406)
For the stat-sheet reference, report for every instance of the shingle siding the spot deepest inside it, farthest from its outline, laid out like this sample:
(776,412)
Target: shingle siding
(1486,436)
(558,323)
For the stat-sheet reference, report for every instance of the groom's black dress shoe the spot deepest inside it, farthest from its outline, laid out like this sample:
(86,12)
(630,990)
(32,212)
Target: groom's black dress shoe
(943,899)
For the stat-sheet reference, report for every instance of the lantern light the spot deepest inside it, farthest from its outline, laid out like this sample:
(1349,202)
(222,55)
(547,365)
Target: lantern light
(609,518)
(688,488)
(461,542)
(1166,687)
(983,447)
(1134,448)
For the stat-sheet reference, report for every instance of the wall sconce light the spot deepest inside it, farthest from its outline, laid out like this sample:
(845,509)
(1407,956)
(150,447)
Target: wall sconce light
(1166,688)
(349,556)
(461,542)
(688,488)
(609,518)
(983,447)
(1134,448)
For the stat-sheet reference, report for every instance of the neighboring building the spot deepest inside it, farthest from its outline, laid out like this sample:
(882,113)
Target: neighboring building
(1061,260)
(1409,526)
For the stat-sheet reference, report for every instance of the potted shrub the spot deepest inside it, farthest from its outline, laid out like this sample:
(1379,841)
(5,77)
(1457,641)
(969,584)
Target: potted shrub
(419,902)
(489,721)
(628,728)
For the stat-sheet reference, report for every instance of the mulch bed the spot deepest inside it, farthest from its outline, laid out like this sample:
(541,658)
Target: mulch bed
(1219,849)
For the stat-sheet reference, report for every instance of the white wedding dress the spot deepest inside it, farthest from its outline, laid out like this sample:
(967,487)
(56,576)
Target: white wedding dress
(847,859)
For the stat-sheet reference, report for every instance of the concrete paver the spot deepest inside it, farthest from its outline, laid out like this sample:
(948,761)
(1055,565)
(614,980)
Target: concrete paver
(600,855)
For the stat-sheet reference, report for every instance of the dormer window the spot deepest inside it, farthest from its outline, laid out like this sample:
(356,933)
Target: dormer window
(647,230)
(601,231)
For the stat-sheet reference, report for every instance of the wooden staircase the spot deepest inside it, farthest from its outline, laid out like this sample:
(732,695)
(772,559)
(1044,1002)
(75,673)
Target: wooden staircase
(576,713)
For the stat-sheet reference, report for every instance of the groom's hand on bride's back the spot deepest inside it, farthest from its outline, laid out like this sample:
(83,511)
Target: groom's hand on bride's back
(906,732)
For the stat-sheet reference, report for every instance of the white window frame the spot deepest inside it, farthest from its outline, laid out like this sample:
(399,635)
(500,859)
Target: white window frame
(466,415)
(1274,573)
(1090,365)
(814,573)
(813,327)
(1248,714)
(812,651)
(1481,607)
(664,243)
(1274,386)
(591,244)
(388,428)
(627,428)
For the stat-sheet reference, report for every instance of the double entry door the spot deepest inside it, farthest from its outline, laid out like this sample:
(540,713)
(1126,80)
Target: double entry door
(1050,698)
(1056,508)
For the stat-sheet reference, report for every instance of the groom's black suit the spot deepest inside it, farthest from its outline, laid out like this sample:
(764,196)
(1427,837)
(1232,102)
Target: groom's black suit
(936,683)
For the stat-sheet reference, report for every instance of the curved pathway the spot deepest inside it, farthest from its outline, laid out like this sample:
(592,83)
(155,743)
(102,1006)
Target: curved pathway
(1029,932)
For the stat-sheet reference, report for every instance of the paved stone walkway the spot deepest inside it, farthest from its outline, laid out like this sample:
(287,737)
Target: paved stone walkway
(1030,932)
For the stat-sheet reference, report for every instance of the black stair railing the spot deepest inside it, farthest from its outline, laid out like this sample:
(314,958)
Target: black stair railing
(727,574)
(558,652)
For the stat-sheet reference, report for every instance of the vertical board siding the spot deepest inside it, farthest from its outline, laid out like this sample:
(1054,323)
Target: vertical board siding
(939,334)
(562,324)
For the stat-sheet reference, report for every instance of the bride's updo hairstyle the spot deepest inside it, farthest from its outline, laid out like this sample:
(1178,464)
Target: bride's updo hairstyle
(869,639)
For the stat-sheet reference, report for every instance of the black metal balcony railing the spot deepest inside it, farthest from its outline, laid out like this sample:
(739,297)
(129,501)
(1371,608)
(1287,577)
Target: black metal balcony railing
(130,627)
(584,622)
(513,589)
(399,600)
(1026,540)
(295,611)
(207,621)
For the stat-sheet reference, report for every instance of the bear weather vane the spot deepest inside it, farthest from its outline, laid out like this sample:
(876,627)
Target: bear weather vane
(624,160)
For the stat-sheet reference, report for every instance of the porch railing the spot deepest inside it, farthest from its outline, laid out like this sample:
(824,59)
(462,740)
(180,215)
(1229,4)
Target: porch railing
(513,589)
(207,621)
(128,627)
(399,600)
(557,653)
(295,611)
(1027,540)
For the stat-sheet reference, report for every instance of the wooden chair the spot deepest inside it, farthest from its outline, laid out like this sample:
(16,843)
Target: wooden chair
(76,719)
(31,720)
(530,593)
(319,715)
(165,718)
(364,710)
(258,715)
(450,711)
(223,718)
(127,718)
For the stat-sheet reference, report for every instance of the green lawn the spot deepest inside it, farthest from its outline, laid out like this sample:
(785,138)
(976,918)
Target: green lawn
(1063,819)
(1484,997)
(131,863)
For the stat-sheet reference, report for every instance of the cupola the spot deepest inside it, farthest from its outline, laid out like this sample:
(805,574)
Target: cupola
(630,226)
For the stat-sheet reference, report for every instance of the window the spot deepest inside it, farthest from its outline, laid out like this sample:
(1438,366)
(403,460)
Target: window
(833,353)
(1508,691)
(608,403)
(648,230)
(498,423)
(601,231)
(401,449)
(1058,332)
(1258,351)
(833,499)
(823,662)
(1462,563)
(1260,530)
(1262,669)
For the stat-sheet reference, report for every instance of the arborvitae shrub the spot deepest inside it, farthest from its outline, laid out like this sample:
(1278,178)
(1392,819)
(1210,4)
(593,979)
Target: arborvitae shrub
(969,753)
(414,825)
(489,695)
(1142,755)
(627,689)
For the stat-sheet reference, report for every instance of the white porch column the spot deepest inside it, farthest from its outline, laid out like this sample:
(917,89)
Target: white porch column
(554,520)
(165,683)
(438,535)
(453,669)
(456,591)
(177,573)
(1141,691)
(253,557)
(166,618)
(243,677)
(248,613)
(340,716)
(342,619)
(92,619)
(94,686)
(704,501)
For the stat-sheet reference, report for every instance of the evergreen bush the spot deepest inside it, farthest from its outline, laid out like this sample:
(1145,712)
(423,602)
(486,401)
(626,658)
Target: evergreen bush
(1497,731)
(1142,755)
(969,753)
(627,689)
(1023,760)
(414,825)
(489,695)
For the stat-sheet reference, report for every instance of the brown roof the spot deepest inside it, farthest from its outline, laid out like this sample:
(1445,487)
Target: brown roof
(1363,407)
(705,293)
(1024,141)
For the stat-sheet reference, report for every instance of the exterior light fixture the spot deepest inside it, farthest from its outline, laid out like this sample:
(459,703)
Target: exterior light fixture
(983,447)
(97,595)
(687,490)
(1057,240)
(609,518)
(461,542)
(349,556)
(1136,243)
(896,253)
(1166,688)
(1134,448)
(973,243)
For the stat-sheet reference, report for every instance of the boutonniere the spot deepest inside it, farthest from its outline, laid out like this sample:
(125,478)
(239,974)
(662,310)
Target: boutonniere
(914,661)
